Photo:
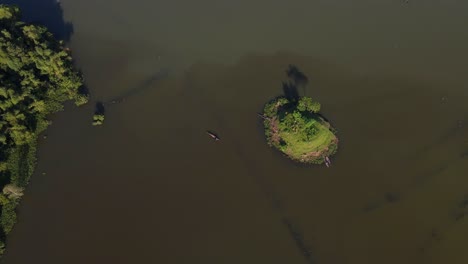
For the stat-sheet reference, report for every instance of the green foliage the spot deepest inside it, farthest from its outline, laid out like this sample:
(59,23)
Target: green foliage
(9,12)
(2,247)
(296,129)
(305,128)
(21,163)
(8,217)
(36,77)
(98,119)
(81,99)
(3,199)
(307,104)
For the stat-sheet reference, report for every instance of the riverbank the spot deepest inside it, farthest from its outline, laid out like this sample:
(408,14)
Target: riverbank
(37,76)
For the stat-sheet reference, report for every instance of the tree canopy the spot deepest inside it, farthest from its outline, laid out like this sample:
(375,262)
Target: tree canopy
(296,129)
(36,77)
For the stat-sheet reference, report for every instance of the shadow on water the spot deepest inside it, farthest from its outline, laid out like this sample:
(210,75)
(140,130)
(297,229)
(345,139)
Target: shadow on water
(464,154)
(99,109)
(46,12)
(276,203)
(139,88)
(264,184)
(297,80)
(290,91)
(459,128)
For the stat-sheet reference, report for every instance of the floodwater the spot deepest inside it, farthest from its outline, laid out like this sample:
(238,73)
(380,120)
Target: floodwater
(149,186)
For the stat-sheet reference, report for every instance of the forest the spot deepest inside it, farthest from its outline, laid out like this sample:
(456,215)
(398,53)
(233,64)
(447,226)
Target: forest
(36,77)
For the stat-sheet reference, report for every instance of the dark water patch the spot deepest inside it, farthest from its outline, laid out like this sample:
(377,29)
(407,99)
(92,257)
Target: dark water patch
(299,78)
(461,211)
(457,215)
(389,198)
(425,177)
(459,127)
(141,87)
(46,12)
(290,91)
(464,154)
(99,109)
(296,235)
(372,206)
(392,197)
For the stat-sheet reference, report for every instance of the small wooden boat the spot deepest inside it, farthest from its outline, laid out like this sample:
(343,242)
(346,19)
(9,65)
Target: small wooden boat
(327,162)
(213,135)
(262,116)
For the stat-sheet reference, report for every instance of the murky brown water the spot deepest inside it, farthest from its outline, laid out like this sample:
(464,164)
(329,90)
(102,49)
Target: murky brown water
(150,187)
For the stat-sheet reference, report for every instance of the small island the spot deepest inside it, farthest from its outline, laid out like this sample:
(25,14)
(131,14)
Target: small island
(294,126)
(98,117)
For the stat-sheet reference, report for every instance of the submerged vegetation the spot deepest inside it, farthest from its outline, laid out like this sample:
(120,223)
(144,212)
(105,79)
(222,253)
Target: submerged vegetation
(36,77)
(294,126)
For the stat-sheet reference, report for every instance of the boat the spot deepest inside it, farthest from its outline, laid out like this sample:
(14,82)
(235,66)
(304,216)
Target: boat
(264,117)
(327,162)
(213,135)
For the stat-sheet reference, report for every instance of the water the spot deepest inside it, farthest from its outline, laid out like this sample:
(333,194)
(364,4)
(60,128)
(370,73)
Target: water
(151,187)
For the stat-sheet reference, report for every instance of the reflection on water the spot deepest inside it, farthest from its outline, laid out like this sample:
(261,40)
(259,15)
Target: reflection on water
(150,186)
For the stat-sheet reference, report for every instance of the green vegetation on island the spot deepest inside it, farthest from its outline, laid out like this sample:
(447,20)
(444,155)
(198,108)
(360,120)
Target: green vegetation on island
(98,117)
(36,77)
(294,126)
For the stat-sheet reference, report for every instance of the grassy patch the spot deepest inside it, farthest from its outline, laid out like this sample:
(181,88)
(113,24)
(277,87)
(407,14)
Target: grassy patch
(296,129)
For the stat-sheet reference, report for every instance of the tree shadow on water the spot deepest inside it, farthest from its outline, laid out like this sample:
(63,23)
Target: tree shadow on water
(99,109)
(46,12)
(140,87)
(297,80)
(297,76)
(290,91)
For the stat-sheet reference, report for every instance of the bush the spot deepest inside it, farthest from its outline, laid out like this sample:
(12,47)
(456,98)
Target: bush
(307,104)
(98,120)
(8,217)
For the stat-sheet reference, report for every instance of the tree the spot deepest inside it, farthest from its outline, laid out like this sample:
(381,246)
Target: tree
(98,119)
(8,217)
(307,104)
(36,77)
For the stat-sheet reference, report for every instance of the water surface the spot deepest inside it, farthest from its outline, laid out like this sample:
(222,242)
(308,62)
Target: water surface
(150,187)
